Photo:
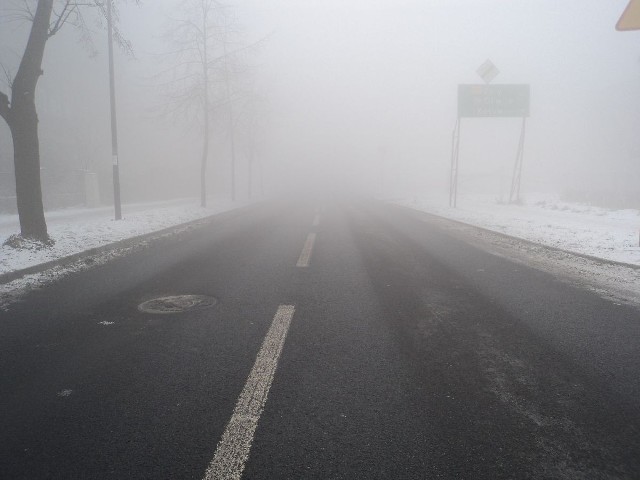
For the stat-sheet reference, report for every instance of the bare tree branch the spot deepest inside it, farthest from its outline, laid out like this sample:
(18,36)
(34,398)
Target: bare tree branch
(70,12)
(5,109)
(62,18)
(8,78)
(29,12)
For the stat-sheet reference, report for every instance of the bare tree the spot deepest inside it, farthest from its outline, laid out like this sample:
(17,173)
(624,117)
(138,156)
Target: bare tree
(250,128)
(46,17)
(205,60)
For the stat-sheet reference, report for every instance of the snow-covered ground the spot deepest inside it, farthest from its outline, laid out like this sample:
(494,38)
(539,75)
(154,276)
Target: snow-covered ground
(75,230)
(598,232)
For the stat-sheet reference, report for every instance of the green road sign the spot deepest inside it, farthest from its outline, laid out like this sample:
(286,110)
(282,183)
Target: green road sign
(493,100)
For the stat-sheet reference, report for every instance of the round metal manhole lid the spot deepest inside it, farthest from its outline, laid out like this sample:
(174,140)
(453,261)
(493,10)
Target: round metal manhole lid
(177,304)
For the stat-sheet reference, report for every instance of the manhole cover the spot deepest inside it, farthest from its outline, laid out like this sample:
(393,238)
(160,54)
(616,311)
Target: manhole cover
(177,304)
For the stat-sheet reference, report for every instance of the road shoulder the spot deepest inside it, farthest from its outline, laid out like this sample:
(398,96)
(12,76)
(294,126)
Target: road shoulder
(612,280)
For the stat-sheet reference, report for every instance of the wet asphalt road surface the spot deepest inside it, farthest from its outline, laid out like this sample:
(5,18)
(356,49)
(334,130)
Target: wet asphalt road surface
(410,353)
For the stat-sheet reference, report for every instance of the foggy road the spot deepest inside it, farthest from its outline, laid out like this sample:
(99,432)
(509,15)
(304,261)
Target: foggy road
(350,340)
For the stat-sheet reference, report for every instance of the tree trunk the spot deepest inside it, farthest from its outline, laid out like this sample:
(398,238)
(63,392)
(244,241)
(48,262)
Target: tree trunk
(23,122)
(251,165)
(205,105)
(250,179)
(203,166)
(26,157)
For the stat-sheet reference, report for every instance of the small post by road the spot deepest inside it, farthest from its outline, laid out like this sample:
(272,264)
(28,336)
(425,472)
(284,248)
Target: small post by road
(514,196)
(455,155)
(114,123)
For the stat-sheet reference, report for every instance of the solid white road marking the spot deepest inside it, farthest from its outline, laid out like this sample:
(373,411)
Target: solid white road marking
(233,449)
(305,256)
(316,220)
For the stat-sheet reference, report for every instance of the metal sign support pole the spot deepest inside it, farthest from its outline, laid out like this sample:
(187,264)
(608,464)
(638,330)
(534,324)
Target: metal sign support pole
(514,195)
(453,179)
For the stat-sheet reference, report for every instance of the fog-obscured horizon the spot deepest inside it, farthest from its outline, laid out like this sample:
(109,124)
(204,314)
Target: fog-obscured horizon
(359,95)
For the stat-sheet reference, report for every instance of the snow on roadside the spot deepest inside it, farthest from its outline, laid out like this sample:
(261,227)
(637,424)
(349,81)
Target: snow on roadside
(602,233)
(76,230)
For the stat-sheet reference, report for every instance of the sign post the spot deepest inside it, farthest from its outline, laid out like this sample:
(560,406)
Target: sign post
(475,101)
(453,179)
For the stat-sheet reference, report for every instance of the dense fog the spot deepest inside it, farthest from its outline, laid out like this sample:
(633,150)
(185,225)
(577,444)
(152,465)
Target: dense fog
(350,94)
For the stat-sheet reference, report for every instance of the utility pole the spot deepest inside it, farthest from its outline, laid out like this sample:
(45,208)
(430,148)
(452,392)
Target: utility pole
(114,124)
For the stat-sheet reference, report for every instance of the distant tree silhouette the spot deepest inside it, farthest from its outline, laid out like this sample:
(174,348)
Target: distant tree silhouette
(205,65)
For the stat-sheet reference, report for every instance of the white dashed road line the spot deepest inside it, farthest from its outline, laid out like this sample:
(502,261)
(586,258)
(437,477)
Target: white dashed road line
(233,449)
(305,256)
